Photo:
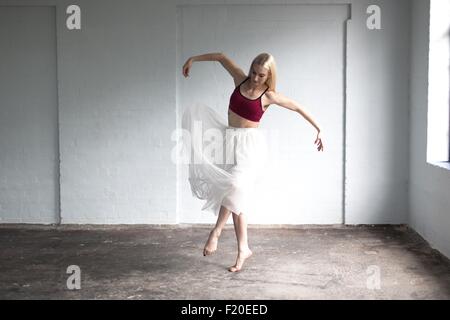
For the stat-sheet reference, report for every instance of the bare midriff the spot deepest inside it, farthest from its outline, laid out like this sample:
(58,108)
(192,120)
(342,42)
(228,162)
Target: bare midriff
(237,121)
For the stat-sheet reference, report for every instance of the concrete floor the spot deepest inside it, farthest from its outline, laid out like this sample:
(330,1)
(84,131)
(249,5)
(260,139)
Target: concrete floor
(147,262)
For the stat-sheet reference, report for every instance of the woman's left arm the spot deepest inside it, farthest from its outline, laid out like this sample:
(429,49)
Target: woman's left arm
(283,101)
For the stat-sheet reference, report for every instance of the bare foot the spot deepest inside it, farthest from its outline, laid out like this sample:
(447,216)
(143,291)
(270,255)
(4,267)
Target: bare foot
(242,256)
(211,244)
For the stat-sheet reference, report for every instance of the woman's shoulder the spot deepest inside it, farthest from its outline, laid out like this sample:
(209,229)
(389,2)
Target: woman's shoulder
(238,80)
(271,95)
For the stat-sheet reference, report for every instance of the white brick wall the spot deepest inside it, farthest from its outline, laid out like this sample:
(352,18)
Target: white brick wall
(117,106)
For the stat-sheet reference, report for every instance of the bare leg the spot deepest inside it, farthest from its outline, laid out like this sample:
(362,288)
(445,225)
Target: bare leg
(211,244)
(244,252)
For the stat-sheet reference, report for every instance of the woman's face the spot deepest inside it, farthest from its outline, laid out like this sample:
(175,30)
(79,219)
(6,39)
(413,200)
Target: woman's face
(258,75)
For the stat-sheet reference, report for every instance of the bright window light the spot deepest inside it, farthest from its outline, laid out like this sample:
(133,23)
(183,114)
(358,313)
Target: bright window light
(439,85)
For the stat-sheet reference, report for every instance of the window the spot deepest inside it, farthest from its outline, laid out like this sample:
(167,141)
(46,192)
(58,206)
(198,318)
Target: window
(438,126)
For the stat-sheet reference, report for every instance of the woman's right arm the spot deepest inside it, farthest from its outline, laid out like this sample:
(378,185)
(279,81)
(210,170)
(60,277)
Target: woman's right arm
(203,57)
(207,57)
(226,62)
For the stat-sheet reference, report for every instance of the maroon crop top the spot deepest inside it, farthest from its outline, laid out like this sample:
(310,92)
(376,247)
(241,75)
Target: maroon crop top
(250,109)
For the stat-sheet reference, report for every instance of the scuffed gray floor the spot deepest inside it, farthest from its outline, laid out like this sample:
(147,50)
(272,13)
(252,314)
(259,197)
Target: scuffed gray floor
(145,262)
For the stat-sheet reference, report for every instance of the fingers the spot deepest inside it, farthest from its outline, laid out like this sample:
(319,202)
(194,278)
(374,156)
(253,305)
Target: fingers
(319,144)
(185,71)
(187,65)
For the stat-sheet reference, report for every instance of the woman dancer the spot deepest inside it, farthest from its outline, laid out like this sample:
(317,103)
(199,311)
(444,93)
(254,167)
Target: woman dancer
(227,187)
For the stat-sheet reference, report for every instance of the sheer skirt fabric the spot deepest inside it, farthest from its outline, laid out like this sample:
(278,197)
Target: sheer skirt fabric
(224,161)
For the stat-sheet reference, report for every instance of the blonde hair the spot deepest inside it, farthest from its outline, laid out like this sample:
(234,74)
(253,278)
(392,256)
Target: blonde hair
(267,61)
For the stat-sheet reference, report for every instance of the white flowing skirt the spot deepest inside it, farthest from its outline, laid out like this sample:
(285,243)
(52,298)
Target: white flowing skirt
(224,161)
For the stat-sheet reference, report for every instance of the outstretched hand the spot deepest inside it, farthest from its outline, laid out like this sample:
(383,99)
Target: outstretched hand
(319,141)
(186,67)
